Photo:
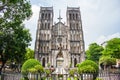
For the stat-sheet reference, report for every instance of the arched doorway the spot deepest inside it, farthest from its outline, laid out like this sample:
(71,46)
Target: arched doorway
(43,62)
(75,62)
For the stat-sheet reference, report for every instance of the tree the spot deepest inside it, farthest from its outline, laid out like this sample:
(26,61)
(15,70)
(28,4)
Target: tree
(106,61)
(112,48)
(94,52)
(14,46)
(15,10)
(14,38)
(88,66)
(29,54)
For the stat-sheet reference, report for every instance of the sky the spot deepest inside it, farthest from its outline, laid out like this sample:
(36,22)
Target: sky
(100,18)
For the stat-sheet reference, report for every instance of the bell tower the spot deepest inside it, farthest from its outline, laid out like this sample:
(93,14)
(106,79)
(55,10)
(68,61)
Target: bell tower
(43,35)
(76,41)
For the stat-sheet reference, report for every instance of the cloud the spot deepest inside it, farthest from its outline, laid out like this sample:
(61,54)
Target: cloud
(99,18)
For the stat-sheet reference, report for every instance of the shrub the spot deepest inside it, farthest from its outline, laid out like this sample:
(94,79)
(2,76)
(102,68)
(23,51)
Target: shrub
(39,68)
(98,79)
(106,60)
(68,78)
(47,71)
(72,72)
(31,65)
(75,78)
(88,66)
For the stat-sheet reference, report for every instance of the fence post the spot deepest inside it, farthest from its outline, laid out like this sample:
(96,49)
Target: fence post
(37,76)
(2,76)
(81,76)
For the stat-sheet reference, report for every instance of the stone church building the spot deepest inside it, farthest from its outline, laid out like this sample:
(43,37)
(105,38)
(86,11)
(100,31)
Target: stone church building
(59,44)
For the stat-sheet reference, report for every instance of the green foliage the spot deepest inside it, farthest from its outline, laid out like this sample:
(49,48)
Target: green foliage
(32,66)
(14,38)
(39,68)
(68,78)
(87,66)
(48,64)
(29,64)
(29,54)
(112,48)
(98,79)
(50,78)
(17,10)
(72,72)
(94,52)
(47,71)
(19,43)
(32,70)
(106,60)
(43,78)
(75,78)
(60,75)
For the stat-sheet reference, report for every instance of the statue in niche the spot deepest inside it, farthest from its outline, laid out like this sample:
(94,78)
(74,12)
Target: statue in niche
(60,57)
(60,52)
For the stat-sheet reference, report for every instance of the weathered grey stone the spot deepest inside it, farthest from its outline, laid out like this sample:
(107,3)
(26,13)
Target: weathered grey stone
(59,40)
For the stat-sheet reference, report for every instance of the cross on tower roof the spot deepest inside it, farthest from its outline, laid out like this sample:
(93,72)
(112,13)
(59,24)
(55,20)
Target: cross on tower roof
(59,17)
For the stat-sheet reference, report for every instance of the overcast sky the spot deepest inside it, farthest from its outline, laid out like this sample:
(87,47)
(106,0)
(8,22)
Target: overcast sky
(100,18)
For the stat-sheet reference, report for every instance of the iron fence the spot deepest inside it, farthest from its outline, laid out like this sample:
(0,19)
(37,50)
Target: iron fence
(104,75)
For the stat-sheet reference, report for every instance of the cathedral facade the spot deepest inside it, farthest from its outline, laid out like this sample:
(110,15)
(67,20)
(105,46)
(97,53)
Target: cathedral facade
(59,44)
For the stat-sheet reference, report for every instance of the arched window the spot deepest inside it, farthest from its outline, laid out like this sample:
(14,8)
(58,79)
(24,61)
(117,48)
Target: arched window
(49,16)
(70,16)
(73,26)
(76,16)
(42,16)
(46,16)
(48,25)
(73,17)
(44,36)
(75,62)
(43,62)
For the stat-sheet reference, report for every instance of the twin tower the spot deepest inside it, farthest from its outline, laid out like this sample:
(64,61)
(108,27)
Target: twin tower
(59,44)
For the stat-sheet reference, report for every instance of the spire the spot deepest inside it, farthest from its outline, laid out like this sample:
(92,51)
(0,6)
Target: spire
(59,17)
